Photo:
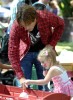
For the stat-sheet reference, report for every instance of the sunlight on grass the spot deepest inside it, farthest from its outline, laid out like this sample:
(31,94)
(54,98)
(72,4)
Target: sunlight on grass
(64,46)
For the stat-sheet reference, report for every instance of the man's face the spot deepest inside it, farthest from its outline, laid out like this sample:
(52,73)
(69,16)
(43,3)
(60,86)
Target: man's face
(29,27)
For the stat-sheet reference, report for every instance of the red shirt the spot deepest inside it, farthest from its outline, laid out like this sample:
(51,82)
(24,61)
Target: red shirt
(19,40)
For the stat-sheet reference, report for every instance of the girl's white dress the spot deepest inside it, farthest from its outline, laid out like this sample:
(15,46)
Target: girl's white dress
(62,83)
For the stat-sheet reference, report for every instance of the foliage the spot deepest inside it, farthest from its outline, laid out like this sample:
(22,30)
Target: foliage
(66,8)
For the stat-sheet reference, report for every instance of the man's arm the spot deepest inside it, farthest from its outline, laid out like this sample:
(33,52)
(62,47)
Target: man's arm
(13,51)
(58,24)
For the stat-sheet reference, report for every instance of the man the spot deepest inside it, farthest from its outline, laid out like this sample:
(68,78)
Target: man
(31,32)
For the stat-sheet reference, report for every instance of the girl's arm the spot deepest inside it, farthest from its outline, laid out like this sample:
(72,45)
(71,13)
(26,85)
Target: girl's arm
(5,66)
(44,81)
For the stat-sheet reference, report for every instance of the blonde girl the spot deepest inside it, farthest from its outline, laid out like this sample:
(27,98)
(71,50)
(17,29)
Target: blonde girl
(56,73)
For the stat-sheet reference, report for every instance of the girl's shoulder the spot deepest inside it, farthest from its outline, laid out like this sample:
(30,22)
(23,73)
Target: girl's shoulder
(57,69)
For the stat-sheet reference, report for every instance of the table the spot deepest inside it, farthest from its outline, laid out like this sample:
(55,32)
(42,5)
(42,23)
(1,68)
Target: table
(69,68)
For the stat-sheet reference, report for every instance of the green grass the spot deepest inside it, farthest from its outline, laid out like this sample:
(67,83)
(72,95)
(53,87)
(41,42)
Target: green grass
(64,45)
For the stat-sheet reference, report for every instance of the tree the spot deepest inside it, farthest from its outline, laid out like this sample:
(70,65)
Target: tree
(66,8)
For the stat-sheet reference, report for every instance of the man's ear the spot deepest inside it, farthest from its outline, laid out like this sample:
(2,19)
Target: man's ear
(35,20)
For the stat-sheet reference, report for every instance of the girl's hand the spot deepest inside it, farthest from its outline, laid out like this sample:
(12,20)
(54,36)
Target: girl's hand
(22,82)
(26,82)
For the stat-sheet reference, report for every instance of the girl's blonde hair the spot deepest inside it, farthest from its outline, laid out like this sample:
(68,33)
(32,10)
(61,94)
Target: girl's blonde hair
(46,53)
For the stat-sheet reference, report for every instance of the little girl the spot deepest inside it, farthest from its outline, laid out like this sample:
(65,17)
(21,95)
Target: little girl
(56,73)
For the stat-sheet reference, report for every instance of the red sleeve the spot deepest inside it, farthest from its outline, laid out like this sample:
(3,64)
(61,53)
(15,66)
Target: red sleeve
(13,50)
(47,20)
(58,24)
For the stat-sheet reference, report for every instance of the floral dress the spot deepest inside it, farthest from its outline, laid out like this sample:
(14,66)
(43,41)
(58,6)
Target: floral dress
(62,83)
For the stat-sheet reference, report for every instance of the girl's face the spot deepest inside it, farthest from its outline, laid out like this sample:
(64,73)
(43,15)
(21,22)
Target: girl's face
(46,63)
(29,27)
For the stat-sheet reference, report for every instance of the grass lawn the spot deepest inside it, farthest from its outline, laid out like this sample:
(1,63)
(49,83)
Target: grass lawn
(64,45)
